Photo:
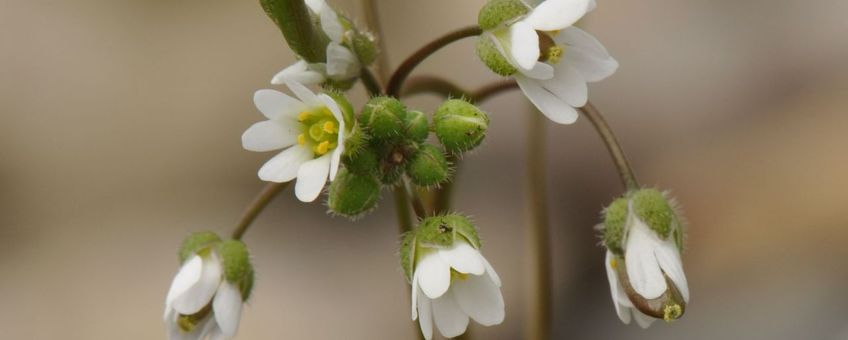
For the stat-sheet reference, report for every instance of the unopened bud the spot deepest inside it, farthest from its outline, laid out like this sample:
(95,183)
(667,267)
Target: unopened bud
(428,167)
(416,125)
(381,118)
(352,195)
(364,162)
(460,126)
(364,47)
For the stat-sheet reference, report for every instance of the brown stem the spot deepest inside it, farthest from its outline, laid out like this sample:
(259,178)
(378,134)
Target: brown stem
(540,306)
(260,202)
(625,171)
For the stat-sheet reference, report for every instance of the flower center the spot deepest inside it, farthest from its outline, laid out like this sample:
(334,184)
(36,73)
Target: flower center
(457,276)
(319,130)
(550,52)
(187,323)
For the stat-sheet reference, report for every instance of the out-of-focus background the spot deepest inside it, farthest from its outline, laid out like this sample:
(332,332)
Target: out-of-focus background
(120,126)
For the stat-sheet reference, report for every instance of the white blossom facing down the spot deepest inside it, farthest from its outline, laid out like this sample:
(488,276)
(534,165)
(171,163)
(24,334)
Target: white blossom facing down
(201,304)
(310,129)
(553,59)
(649,260)
(451,286)
(342,64)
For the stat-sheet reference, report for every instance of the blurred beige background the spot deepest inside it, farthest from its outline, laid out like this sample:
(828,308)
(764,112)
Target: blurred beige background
(119,134)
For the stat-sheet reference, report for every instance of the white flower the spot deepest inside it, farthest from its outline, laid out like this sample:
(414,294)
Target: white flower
(201,303)
(342,64)
(312,131)
(649,260)
(451,285)
(554,60)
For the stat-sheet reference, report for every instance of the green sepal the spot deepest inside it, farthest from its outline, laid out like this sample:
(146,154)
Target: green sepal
(442,231)
(301,32)
(652,207)
(490,55)
(238,270)
(352,195)
(428,167)
(415,125)
(364,46)
(497,12)
(459,125)
(615,222)
(197,243)
(381,118)
(364,162)
(407,254)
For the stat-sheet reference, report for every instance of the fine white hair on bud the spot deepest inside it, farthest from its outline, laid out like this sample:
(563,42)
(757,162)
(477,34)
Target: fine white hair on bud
(207,294)
(460,126)
(643,232)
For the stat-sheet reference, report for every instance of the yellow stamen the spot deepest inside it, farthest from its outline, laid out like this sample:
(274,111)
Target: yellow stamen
(672,312)
(322,148)
(303,116)
(614,264)
(555,54)
(329,127)
(301,139)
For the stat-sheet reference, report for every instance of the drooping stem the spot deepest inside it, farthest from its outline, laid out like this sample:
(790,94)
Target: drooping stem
(259,203)
(402,72)
(540,306)
(625,171)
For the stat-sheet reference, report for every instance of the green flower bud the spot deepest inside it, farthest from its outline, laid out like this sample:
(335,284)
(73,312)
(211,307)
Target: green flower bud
(652,207)
(428,167)
(416,125)
(381,118)
(435,232)
(197,243)
(302,34)
(238,270)
(355,141)
(364,162)
(460,126)
(352,195)
(497,12)
(365,47)
(490,55)
(615,219)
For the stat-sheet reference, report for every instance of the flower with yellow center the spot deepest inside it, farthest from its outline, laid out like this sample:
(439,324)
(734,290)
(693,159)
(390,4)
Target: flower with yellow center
(310,128)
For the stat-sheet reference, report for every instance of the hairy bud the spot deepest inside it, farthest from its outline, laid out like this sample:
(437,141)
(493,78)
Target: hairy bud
(460,126)
(428,167)
(352,195)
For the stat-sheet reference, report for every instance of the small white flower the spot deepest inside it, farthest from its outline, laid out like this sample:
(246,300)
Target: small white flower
(312,131)
(342,64)
(649,261)
(554,60)
(451,285)
(201,303)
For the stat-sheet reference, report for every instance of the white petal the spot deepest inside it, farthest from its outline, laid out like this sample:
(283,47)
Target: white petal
(574,37)
(642,320)
(331,25)
(311,177)
(668,257)
(480,298)
(342,64)
(591,68)
(524,45)
(616,292)
(298,72)
(335,161)
(188,275)
(568,85)
(550,105)
(592,5)
(540,71)
(227,307)
(450,319)
(217,334)
(552,15)
(269,135)
(463,258)
(491,271)
(274,104)
(200,294)
(306,95)
(316,5)
(425,315)
(415,292)
(283,167)
(434,276)
(643,270)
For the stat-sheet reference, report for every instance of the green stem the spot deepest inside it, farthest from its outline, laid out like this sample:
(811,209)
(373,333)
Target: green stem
(260,202)
(415,199)
(372,85)
(399,76)
(625,171)
(540,307)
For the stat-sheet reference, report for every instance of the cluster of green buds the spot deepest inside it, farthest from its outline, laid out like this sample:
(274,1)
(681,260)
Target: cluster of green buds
(644,232)
(391,142)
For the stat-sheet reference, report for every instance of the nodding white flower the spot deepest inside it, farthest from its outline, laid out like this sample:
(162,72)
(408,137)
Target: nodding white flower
(201,302)
(551,60)
(311,129)
(342,63)
(646,272)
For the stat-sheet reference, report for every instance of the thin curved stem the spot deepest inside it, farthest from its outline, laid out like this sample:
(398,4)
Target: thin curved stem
(434,85)
(625,171)
(265,196)
(372,85)
(540,307)
(399,76)
(372,19)
(415,199)
(484,93)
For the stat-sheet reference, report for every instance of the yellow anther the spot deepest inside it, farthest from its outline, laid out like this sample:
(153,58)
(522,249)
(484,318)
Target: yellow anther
(301,139)
(322,148)
(303,116)
(330,127)
(614,264)
(672,312)
(555,54)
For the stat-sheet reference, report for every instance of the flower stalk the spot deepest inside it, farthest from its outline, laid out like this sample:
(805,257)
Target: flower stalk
(539,308)
(265,196)
(625,171)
